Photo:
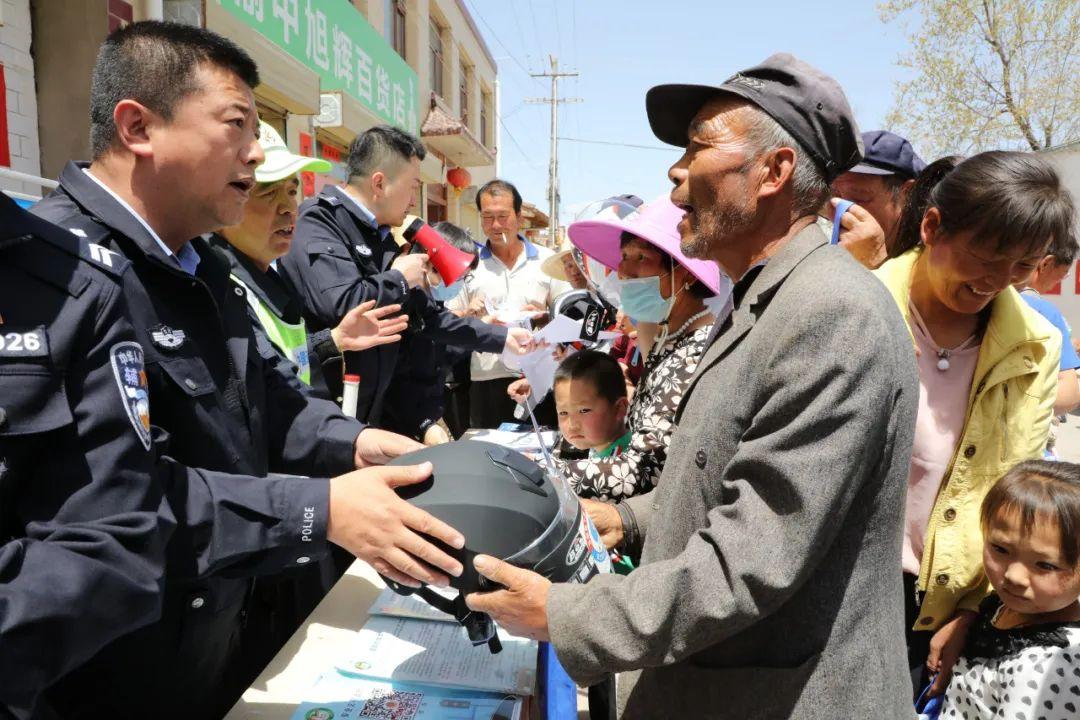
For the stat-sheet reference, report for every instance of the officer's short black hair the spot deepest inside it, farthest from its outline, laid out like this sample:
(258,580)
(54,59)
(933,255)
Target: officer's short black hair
(154,63)
(381,148)
(598,369)
(499,187)
(459,237)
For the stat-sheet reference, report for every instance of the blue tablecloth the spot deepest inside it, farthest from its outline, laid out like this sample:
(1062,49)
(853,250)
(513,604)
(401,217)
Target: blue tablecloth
(558,694)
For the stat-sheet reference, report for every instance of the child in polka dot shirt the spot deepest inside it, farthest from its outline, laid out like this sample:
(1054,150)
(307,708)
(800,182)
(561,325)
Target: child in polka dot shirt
(1022,657)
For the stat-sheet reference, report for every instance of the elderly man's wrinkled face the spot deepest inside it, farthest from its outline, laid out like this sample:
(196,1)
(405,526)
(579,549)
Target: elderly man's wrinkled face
(711,180)
(875,195)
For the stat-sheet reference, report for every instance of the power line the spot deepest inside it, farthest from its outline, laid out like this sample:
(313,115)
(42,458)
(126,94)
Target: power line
(521,37)
(513,139)
(553,170)
(558,27)
(536,28)
(617,144)
(497,38)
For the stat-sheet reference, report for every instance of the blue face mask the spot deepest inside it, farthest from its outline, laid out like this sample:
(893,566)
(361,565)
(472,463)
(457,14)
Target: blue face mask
(642,301)
(446,293)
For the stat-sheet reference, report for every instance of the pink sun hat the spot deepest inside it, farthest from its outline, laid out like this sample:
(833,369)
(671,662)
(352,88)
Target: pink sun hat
(656,223)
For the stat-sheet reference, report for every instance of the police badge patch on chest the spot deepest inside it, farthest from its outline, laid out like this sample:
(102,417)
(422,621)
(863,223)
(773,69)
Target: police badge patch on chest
(167,338)
(127,365)
(364,250)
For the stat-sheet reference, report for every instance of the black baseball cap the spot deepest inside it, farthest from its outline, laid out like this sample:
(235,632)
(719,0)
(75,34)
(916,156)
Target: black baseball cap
(886,153)
(806,102)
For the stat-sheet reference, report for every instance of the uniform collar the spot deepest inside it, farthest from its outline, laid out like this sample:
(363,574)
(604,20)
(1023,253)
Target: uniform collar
(531,252)
(359,211)
(269,287)
(186,258)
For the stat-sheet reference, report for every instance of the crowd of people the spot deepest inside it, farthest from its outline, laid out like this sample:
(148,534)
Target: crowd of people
(817,436)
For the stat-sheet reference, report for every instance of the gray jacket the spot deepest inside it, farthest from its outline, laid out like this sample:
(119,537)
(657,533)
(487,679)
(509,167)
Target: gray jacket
(770,580)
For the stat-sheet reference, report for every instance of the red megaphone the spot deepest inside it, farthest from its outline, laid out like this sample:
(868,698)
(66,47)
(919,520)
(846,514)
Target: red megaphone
(447,260)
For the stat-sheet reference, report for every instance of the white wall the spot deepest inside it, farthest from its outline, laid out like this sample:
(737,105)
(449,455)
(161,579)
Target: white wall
(1067,162)
(22,117)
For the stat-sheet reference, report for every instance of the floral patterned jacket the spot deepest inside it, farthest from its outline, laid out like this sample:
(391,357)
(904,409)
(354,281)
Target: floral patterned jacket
(650,421)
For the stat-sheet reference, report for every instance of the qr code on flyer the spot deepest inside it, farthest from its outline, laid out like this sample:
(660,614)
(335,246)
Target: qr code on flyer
(392,705)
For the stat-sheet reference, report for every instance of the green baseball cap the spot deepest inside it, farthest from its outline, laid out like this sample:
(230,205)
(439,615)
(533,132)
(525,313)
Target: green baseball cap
(280,162)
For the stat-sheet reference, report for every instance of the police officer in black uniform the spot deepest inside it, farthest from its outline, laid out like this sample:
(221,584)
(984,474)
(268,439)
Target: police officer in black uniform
(343,254)
(173,129)
(82,553)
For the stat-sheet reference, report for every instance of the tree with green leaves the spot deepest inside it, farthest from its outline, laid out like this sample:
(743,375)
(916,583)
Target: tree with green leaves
(988,74)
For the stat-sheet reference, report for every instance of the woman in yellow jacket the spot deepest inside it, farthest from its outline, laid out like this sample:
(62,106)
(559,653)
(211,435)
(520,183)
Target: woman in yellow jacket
(988,368)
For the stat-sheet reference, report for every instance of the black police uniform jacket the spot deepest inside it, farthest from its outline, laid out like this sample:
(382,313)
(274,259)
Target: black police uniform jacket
(337,261)
(81,550)
(226,413)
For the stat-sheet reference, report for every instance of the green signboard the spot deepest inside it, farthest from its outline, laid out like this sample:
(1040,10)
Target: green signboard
(332,38)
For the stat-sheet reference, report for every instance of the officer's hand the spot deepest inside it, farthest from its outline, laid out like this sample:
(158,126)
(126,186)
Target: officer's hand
(607,520)
(435,435)
(519,341)
(861,236)
(519,390)
(521,608)
(378,447)
(368,519)
(366,326)
(413,267)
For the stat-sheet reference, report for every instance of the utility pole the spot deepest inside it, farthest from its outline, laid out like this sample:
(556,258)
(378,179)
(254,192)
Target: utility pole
(553,166)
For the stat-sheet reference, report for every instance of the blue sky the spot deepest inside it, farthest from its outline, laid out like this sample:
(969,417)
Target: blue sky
(624,47)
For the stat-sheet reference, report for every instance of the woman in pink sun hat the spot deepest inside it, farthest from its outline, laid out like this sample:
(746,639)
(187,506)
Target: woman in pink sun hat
(656,284)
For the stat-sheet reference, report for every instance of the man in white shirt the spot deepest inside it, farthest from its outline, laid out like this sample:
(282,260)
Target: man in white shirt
(508,280)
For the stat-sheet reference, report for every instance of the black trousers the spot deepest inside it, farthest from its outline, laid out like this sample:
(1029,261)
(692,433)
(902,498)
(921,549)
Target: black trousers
(490,406)
(918,641)
(456,413)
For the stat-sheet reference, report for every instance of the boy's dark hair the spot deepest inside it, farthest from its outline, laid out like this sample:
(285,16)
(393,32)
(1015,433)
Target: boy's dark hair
(1040,490)
(1008,200)
(381,148)
(459,237)
(698,289)
(154,63)
(499,187)
(599,369)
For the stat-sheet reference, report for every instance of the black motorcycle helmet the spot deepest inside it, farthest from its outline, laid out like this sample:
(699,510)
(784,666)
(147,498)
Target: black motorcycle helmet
(508,507)
(596,313)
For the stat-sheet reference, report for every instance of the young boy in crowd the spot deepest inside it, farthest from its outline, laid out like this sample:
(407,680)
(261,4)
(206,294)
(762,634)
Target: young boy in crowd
(591,402)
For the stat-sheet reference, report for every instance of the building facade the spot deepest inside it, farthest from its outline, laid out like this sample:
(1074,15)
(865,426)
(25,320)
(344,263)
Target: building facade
(330,69)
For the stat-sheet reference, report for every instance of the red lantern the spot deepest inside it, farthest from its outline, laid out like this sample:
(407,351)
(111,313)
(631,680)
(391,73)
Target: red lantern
(459,178)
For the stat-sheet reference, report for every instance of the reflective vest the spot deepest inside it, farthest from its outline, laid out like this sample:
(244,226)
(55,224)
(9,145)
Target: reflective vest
(290,339)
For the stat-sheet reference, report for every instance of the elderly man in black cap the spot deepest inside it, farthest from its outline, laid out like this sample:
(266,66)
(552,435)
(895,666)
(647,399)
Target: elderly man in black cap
(766,587)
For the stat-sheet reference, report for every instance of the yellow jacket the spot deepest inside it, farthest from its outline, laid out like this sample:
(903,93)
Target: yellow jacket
(1008,420)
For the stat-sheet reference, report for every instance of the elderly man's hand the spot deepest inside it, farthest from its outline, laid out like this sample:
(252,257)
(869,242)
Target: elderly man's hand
(861,236)
(378,447)
(607,520)
(522,607)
